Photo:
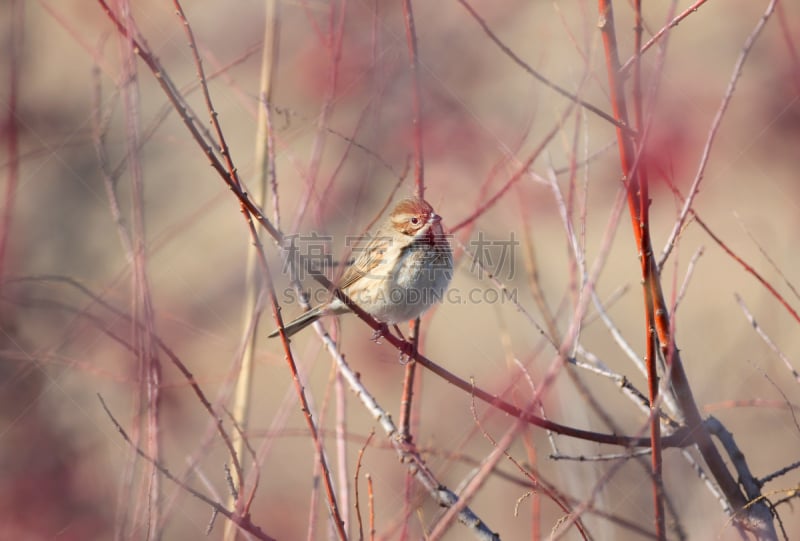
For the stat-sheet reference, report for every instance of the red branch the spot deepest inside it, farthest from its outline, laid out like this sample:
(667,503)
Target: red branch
(634,175)
(751,514)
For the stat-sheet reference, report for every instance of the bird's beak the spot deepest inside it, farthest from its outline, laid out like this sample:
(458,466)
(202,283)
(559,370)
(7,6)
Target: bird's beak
(435,218)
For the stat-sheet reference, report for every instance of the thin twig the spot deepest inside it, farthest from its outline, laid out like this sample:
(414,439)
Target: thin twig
(176,361)
(340,392)
(336,518)
(406,452)
(783,471)
(501,450)
(335,40)
(713,131)
(687,278)
(538,76)
(409,380)
(189,119)
(746,266)
(767,340)
(766,256)
(675,21)
(355,483)
(241,405)
(242,521)
(144,312)
(522,170)
(265,177)
(578,257)
(371,496)
(416,101)
(475,482)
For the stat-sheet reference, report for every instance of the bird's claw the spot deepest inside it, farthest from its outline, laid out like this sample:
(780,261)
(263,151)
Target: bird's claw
(406,353)
(406,349)
(379,333)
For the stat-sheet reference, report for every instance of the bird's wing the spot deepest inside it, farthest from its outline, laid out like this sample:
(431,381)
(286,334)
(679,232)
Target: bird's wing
(367,261)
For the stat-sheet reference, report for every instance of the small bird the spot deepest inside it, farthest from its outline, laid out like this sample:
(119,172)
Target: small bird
(401,272)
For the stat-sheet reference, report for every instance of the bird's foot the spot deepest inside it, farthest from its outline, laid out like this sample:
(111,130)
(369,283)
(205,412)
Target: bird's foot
(379,333)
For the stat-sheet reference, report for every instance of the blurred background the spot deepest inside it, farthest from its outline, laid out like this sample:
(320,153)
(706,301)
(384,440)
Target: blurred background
(344,138)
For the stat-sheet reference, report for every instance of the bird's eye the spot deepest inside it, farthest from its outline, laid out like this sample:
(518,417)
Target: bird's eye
(415,220)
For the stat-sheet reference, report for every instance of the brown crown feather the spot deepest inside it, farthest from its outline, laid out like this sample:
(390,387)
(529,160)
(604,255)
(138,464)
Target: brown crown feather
(410,208)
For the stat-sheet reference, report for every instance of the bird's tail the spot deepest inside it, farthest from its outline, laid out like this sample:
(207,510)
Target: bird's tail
(300,323)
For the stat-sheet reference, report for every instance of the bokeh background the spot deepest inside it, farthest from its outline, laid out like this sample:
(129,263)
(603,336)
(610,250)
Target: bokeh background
(62,462)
